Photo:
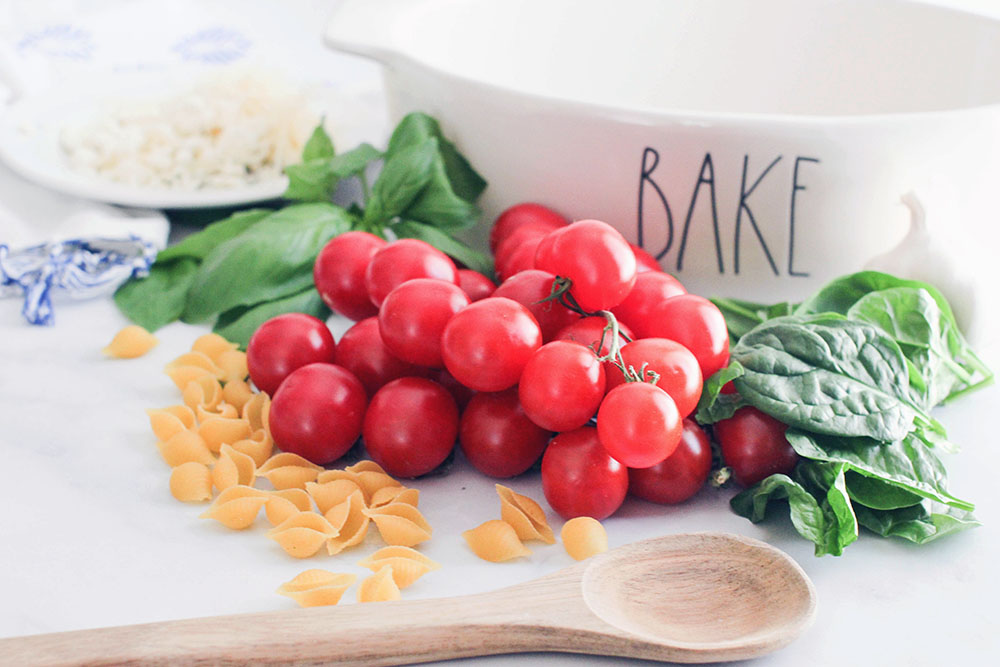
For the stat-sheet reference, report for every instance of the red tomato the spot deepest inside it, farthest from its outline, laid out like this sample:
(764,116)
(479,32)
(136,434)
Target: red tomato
(475,285)
(362,351)
(579,478)
(638,424)
(458,391)
(588,331)
(597,259)
(754,446)
(410,426)
(486,345)
(680,375)
(545,252)
(339,273)
(562,386)
(523,214)
(680,475)
(284,343)
(529,288)
(695,323)
(317,412)
(643,260)
(404,260)
(650,290)
(413,316)
(497,437)
(524,234)
(519,259)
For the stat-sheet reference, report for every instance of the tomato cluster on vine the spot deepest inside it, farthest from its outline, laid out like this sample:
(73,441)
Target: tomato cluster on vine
(586,357)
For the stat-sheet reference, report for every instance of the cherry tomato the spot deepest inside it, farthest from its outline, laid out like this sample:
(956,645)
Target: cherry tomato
(404,260)
(284,343)
(486,345)
(529,288)
(475,285)
(362,351)
(597,259)
(339,273)
(562,386)
(413,316)
(638,424)
(519,259)
(317,412)
(650,290)
(695,323)
(680,475)
(523,214)
(643,260)
(680,375)
(754,446)
(410,426)
(590,330)
(497,437)
(579,478)
(458,391)
(545,252)
(522,235)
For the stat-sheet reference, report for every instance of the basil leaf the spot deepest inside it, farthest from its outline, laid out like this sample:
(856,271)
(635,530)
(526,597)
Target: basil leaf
(404,174)
(918,523)
(199,244)
(273,259)
(446,243)
(238,324)
(312,181)
(907,463)
(354,161)
(438,204)
(319,145)
(829,375)
(416,128)
(713,405)
(876,493)
(157,299)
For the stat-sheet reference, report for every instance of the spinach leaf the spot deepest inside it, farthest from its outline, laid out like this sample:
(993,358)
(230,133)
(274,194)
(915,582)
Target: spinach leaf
(446,243)
(416,128)
(918,523)
(826,374)
(319,145)
(238,324)
(157,299)
(715,406)
(742,316)
(907,463)
(199,244)
(271,260)
(405,173)
(876,493)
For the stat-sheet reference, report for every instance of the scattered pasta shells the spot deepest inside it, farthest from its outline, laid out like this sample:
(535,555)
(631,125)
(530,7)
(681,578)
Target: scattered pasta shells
(236,393)
(525,515)
(366,465)
(400,524)
(233,468)
(328,494)
(198,359)
(203,390)
(379,587)
(183,447)
(232,365)
(333,475)
(289,477)
(371,481)
(217,431)
(236,507)
(317,588)
(256,411)
(212,345)
(168,422)
(182,376)
(258,446)
(223,410)
(495,541)
(191,482)
(395,494)
(584,537)
(351,522)
(283,504)
(131,342)
(303,534)
(407,564)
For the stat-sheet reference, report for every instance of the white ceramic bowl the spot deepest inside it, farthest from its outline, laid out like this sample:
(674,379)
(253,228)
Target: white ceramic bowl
(757,147)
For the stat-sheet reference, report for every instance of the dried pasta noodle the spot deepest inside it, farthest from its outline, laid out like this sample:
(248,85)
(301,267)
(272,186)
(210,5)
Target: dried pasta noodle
(223,410)
(236,507)
(379,587)
(495,541)
(400,524)
(331,493)
(168,422)
(219,431)
(316,588)
(395,494)
(584,537)
(232,365)
(233,468)
(204,390)
(236,393)
(131,342)
(302,535)
(184,447)
(351,522)
(407,564)
(182,376)
(198,359)
(525,515)
(289,471)
(282,504)
(191,482)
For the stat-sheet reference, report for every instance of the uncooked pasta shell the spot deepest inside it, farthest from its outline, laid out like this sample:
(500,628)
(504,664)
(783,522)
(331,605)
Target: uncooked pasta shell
(584,537)
(525,515)
(379,587)
(495,541)
(131,342)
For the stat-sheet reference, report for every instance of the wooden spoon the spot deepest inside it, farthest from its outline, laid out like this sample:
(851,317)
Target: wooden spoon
(702,597)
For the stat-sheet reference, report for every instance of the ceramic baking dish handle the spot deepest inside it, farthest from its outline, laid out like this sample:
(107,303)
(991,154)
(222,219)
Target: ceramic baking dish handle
(363,27)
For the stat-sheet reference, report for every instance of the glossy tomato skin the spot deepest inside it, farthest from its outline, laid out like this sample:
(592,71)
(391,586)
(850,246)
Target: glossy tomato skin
(497,437)
(680,475)
(638,424)
(317,412)
(650,290)
(410,426)
(404,260)
(284,343)
(579,478)
(413,316)
(588,331)
(643,260)
(339,273)
(523,214)
(475,285)
(524,234)
(486,345)
(597,259)
(518,259)
(362,351)
(458,391)
(562,386)
(680,374)
(529,288)
(697,324)
(754,446)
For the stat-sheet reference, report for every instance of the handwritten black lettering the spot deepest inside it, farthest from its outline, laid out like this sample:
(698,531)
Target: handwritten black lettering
(791,217)
(645,177)
(705,177)
(744,194)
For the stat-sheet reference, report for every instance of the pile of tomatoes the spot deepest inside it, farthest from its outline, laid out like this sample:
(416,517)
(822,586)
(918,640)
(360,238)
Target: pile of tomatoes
(586,356)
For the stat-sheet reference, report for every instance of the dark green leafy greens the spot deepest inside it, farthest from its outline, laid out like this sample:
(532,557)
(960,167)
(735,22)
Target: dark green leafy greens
(255,264)
(853,371)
